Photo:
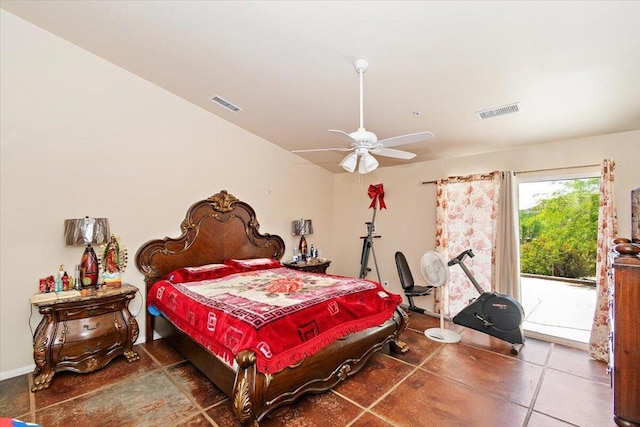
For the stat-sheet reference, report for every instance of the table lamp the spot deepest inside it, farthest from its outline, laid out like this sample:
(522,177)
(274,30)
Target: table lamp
(300,227)
(87,231)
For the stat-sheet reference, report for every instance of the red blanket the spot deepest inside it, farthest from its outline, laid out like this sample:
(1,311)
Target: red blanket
(282,315)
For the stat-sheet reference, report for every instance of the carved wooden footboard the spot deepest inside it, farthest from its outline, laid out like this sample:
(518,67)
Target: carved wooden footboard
(255,394)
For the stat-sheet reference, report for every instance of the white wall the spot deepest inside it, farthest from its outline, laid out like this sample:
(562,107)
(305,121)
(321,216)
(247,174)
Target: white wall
(81,136)
(408,223)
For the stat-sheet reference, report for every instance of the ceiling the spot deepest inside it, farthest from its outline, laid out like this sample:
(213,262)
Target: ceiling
(574,67)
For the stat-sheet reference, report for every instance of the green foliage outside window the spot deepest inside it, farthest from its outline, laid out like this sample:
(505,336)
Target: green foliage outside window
(558,236)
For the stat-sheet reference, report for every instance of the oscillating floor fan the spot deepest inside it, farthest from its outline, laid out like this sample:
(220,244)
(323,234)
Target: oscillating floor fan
(436,273)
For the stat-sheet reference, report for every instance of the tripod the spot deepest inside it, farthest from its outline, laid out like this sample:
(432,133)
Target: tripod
(367,247)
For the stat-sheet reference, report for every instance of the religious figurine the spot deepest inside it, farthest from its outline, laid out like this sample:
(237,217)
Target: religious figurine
(59,286)
(114,260)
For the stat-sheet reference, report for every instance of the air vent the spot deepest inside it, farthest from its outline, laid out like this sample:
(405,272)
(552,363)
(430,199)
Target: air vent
(226,104)
(499,111)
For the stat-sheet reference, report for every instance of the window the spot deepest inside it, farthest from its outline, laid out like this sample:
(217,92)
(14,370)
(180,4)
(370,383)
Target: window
(558,241)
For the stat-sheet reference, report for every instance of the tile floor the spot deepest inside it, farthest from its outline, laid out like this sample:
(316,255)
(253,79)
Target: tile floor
(476,382)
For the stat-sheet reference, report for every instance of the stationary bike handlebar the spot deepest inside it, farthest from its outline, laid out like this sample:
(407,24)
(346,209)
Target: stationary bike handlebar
(458,260)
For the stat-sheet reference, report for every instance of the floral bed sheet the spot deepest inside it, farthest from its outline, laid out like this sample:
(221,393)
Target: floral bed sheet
(282,315)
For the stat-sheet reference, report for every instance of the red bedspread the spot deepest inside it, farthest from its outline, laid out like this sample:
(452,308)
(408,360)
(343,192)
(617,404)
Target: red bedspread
(282,315)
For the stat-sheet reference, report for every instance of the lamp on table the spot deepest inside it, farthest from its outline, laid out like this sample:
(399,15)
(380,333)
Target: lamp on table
(300,227)
(87,231)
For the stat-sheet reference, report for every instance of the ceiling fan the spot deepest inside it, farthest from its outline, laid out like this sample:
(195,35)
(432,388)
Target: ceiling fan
(363,143)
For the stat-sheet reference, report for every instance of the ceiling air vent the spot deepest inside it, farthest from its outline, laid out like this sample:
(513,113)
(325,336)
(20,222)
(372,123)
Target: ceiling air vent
(226,104)
(499,111)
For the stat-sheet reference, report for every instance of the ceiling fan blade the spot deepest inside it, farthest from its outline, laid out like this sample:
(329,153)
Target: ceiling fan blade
(322,149)
(391,152)
(345,136)
(405,139)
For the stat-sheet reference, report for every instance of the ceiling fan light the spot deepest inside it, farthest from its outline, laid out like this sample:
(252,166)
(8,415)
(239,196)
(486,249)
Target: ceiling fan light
(367,163)
(349,162)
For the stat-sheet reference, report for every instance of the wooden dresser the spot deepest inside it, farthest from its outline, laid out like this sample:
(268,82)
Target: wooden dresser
(82,333)
(626,335)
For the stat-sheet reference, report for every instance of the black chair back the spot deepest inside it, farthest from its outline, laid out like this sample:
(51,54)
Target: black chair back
(406,278)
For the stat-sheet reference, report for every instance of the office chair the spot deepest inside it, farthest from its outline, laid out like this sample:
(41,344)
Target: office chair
(406,280)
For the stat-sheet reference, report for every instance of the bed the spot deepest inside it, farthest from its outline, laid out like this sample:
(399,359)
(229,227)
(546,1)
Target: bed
(223,228)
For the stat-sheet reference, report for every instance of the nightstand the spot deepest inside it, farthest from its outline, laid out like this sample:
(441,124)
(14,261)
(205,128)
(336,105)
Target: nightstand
(313,265)
(82,333)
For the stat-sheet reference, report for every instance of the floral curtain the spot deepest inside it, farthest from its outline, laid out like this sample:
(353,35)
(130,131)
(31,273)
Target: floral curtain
(607,231)
(466,212)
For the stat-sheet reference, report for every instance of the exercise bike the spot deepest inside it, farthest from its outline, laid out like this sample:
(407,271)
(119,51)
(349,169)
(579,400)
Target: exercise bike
(495,314)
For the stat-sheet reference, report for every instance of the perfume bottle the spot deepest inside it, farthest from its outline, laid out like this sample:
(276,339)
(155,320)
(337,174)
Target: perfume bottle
(76,278)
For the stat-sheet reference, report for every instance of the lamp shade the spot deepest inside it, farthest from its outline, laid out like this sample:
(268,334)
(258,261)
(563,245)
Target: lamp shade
(367,163)
(300,227)
(349,162)
(86,231)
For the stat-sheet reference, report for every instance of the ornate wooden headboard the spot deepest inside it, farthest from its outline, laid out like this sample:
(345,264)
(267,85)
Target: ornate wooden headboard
(215,229)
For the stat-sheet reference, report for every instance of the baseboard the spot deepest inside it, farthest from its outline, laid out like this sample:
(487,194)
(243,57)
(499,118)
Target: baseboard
(5,375)
(16,372)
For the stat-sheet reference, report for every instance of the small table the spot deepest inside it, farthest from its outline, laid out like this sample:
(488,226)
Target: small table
(313,265)
(82,333)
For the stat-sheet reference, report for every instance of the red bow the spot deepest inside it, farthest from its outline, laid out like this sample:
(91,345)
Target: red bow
(376,192)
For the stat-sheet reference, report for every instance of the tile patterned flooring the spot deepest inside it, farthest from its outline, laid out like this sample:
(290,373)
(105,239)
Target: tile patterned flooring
(476,382)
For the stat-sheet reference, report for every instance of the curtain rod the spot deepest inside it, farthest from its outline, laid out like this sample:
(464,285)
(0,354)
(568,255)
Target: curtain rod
(481,177)
(557,169)
(532,171)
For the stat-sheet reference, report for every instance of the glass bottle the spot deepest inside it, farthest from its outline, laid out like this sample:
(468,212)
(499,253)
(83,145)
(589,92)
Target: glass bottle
(303,248)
